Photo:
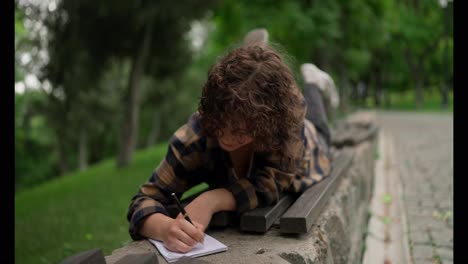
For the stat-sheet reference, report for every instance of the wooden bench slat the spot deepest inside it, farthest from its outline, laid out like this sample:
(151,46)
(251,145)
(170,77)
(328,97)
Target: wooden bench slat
(300,216)
(260,219)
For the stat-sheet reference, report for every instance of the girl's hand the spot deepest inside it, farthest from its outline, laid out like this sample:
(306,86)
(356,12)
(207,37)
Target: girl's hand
(179,235)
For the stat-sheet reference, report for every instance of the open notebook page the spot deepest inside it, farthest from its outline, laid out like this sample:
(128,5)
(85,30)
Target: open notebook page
(210,246)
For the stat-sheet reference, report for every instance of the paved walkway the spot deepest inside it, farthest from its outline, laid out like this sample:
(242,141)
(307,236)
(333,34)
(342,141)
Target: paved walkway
(424,157)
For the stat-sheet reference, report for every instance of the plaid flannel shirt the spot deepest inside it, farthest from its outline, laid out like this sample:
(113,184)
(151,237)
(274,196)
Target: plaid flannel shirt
(192,158)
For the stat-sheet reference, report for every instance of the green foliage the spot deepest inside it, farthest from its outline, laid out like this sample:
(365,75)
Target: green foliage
(376,152)
(86,56)
(389,46)
(386,220)
(79,211)
(34,156)
(20,40)
(387,198)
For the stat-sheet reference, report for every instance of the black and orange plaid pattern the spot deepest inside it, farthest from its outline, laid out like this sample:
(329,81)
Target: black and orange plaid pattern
(192,159)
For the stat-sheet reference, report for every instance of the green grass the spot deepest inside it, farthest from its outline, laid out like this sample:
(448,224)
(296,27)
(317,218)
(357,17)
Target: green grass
(81,211)
(405,101)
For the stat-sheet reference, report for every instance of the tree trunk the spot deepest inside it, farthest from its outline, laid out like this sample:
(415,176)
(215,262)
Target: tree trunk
(129,129)
(83,150)
(378,89)
(419,93)
(155,129)
(63,161)
(385,90)
(416,69)
(445,97)
(376,95)
(386,98)
(446,84)
(344,88)
(365,87)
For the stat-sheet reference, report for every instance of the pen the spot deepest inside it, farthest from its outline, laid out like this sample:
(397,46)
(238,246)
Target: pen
(181,209)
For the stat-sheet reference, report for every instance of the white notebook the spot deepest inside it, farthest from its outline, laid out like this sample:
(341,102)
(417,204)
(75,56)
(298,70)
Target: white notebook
(210,246)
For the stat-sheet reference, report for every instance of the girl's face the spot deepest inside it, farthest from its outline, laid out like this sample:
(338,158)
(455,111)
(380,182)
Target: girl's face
(230,141)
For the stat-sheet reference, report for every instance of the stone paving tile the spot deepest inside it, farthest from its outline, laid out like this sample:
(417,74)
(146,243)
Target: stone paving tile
(425,203)
(424,150)
(448,203)
(420,237)
(422,251)
(421,223)
(445,253)
(442,238)
(418,196)
(423,211)
(422,260)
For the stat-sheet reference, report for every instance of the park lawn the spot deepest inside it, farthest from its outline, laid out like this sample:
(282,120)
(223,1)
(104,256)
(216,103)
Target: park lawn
(405,101)
(81,211)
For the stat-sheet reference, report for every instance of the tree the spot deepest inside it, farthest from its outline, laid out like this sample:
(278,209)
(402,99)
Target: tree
(340,37)
(448,57)
(418,28)
(148,34)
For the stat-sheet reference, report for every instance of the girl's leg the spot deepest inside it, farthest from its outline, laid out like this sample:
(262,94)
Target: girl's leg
(316,111)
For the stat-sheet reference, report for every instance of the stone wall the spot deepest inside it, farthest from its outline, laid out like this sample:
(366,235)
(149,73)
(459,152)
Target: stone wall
(337,235)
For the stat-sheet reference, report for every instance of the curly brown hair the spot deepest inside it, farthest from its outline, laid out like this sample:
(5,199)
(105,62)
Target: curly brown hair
(253,86)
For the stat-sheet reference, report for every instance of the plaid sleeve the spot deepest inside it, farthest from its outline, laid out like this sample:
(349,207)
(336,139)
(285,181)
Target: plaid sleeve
(315,163)
(261,189)
(265,186)
(183,156)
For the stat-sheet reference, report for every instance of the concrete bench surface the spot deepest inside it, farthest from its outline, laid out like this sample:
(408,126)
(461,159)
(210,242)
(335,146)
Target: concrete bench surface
(93,256)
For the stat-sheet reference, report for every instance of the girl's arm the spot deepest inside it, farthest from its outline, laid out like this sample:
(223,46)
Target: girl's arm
(202,208)
(147,214)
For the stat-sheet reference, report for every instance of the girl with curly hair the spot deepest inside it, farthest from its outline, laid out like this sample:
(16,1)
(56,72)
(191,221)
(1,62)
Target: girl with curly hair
(254,137)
